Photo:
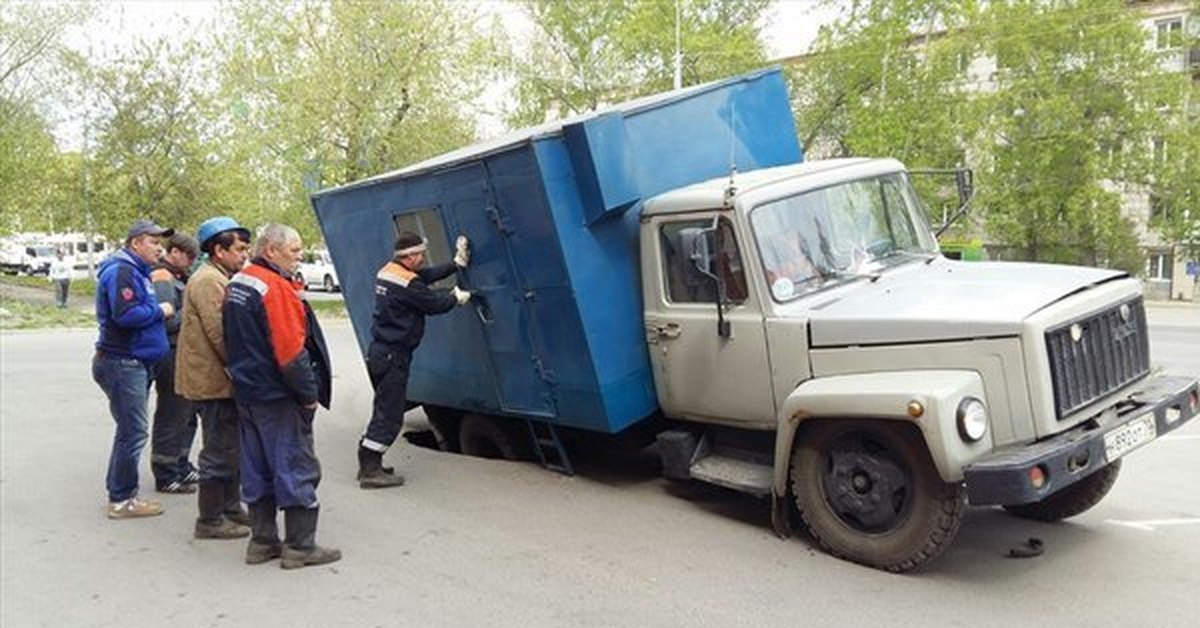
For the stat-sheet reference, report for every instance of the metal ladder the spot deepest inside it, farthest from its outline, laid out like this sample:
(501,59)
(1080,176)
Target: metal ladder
(550,451)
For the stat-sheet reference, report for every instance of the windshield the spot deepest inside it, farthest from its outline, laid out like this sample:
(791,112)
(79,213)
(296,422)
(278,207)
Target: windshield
(841,232)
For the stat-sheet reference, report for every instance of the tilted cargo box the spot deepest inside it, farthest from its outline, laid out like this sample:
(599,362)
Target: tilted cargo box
(555,330)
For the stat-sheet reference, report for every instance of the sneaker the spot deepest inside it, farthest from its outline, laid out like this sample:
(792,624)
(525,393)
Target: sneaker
(192,476)
(176,487)
(133,508)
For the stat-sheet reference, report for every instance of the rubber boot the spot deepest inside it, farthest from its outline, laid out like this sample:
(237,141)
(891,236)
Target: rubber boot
(264,533)
(212,524)
(300,549)
(233,503)
(371,472)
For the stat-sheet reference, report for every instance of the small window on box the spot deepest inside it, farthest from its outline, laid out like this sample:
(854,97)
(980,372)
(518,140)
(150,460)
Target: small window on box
(428,224)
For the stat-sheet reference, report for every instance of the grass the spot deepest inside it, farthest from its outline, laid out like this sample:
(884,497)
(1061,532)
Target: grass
(81,287)
(335,309)
(17,314)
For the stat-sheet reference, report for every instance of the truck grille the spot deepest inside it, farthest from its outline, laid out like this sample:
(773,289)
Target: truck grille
(1093,356)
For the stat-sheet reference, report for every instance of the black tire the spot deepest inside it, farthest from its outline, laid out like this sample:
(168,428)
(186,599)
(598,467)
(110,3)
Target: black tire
(894,511)
(444,423)
(328,284)
(1073,500)
(490,437)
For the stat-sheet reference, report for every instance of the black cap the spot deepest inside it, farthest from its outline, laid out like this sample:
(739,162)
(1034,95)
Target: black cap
(147,227)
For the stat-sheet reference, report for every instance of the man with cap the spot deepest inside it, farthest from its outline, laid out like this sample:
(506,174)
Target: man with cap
(201,378)
(280,369)
(402,301)
(132,340)
(174,425)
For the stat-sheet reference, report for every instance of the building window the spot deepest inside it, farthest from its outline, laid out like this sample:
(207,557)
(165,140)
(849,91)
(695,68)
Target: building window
(1160,152)
(1160,266)
(1160,211)
(1168,33)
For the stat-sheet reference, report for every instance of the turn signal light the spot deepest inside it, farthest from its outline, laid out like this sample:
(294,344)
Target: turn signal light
(1037,476)
(1194,399)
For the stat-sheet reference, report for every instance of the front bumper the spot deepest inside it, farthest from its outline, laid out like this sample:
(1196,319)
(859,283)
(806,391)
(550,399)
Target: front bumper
(1003,477)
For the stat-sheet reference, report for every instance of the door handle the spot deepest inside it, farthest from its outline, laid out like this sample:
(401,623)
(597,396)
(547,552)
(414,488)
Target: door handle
(662,331)
(482,310)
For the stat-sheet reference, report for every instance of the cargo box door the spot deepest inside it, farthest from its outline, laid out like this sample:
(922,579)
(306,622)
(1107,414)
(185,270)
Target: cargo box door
(469,207)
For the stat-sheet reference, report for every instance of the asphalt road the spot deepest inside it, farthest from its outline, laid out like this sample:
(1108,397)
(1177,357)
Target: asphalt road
(477,542)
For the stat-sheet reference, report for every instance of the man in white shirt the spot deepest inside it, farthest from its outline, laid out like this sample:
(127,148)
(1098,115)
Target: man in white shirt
(60,274)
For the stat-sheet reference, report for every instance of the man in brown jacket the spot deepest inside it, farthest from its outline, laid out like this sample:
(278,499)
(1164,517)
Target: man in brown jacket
(202,378)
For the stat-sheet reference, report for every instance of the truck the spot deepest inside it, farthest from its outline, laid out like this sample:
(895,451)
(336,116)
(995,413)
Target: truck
(784,328)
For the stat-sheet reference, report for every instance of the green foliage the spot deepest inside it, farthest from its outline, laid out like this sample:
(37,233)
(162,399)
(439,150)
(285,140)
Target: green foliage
(318,94)
(1049,103)
(587,54)
(18,314)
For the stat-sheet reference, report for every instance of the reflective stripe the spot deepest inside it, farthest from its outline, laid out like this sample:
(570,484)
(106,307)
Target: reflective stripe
(254,282)
(392,278)
(374,446)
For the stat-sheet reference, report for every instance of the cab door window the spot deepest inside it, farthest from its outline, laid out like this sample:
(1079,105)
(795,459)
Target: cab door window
(687,284)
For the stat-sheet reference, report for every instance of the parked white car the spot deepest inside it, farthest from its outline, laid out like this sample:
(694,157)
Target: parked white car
(317,271)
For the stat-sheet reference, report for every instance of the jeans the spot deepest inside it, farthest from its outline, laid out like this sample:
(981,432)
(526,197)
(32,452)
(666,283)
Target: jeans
(61,288)
(174,426)
(126,382)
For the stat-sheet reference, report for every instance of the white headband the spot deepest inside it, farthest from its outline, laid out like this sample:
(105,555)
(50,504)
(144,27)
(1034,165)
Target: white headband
(412,250)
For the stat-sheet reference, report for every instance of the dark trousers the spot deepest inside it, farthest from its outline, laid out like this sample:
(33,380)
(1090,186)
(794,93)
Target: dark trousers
(278,457)
(220,456)
(126,382)
(388,370)
(174,427)
(61,289)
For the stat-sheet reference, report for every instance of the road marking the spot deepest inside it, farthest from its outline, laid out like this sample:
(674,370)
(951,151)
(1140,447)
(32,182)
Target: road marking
(1149,525)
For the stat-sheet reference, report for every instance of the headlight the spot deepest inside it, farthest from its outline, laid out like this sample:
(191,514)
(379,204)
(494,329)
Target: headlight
(972,419)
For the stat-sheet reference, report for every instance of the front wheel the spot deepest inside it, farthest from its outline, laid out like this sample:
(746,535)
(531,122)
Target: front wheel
(868,492)
(1073,500)
(328,285)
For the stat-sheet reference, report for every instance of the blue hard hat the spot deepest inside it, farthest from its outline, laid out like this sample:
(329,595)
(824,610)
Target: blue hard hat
(218,225)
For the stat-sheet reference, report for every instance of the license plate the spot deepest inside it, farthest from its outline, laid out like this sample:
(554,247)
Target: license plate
(1130,436)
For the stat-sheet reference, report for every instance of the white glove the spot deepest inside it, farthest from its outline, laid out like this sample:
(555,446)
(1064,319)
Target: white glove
(168,310)
(462,251)
(460,295)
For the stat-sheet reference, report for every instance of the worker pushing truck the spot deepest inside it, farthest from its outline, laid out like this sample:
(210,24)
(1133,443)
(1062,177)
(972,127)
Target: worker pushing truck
(792,326)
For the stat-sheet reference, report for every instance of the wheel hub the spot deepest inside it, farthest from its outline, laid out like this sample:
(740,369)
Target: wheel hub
(867,490)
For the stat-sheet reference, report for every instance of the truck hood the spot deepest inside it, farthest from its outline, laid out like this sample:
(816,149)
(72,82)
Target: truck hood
(944,300)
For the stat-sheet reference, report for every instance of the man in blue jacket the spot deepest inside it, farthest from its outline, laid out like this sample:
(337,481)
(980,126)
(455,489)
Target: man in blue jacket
(132,339)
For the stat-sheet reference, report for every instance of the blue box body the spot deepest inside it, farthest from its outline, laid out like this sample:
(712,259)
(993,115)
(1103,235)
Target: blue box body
(552,213)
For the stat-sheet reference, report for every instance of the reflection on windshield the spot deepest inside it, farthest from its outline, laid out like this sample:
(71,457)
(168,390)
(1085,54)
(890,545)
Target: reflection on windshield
(841,232)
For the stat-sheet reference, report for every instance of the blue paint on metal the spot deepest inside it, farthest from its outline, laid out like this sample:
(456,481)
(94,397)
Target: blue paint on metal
(555,330)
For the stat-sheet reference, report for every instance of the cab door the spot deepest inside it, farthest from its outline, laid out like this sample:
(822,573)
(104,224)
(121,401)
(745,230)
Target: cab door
(701,374)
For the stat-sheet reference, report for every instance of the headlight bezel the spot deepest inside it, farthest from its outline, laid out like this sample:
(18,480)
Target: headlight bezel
(972,419)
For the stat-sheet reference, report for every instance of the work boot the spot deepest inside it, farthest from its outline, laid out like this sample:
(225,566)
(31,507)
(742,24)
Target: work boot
(233,503)
(212,524)
(264,533)
(300,549)
(372,473)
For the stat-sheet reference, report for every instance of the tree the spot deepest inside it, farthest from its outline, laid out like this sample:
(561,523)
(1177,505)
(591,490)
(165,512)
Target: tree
(318,94)
(156,149)
(30,71)
(587,54)
(1072,84)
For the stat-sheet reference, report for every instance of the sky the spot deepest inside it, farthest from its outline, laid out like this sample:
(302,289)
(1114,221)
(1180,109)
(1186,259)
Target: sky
(792,26)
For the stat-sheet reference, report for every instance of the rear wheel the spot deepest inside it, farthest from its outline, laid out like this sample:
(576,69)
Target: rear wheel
(444,423)
(868,492)
(1073,500)
(490,437)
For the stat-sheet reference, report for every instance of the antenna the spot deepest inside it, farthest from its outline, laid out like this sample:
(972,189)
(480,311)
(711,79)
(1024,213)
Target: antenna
(731,189)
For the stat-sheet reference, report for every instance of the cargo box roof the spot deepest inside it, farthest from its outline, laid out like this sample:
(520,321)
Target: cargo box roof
(530,134)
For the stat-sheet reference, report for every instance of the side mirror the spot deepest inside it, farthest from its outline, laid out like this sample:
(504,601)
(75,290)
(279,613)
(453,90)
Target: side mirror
(964,180)
(699,245)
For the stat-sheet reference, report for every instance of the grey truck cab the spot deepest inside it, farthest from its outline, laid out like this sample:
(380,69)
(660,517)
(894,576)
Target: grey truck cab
(817,349)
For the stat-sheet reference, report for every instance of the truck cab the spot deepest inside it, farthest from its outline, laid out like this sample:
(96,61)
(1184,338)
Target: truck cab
(816,348)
